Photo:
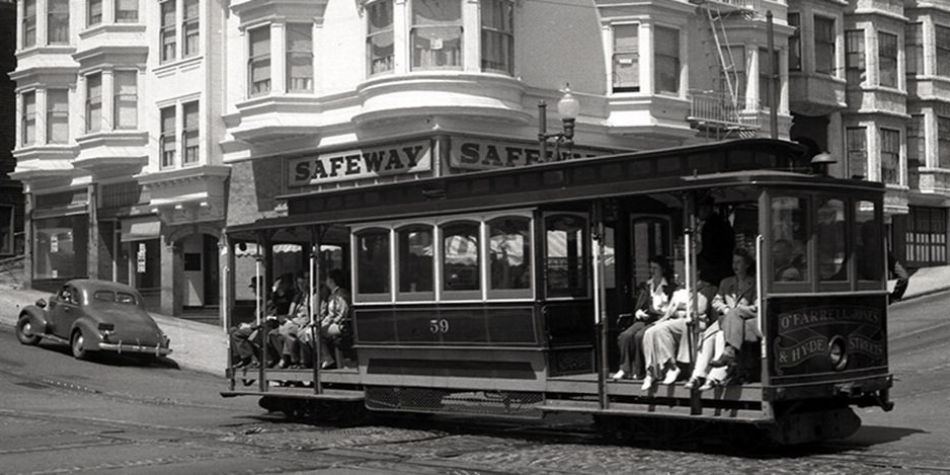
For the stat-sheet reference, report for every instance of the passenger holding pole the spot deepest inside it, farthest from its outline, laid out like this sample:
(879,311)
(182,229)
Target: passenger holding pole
(653,298)
(737,302)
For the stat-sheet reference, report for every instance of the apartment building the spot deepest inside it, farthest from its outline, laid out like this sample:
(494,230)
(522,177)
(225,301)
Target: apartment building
(147,127)
(11,195)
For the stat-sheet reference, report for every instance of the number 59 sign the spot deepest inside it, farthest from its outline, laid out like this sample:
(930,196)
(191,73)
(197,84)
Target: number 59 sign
(437,326)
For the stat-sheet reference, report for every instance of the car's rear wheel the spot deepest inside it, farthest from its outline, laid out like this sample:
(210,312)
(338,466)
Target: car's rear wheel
(77,344)
(24,331)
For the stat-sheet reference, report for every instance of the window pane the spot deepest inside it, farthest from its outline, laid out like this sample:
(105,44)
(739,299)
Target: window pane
(626,59)
(260,61)
(190,132)
(509,253)
(913,44)
(942,45)
(497,35)
(868,241)
(415,251)
(60,247)
(789,239)
(57,116)
(460,257)
(190,26)
(95,12)
(854,57)
(299,57)
(887,53)
(565,259)
(29,23)
(372,262)
(168,40)
(667,64)
(93,102)
(436,38)
(168,142)
(824,45)
(856,138)
(127,11)
(379,43)
(29,118)
(58,22)
(832,243)
(126,99)
(794,43)
(890,156)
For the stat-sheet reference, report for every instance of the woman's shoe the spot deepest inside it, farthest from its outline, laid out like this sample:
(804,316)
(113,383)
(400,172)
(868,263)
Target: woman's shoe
(618,375)
(672,375)
(648,383)
(694,382)
(710,384)
(328,365)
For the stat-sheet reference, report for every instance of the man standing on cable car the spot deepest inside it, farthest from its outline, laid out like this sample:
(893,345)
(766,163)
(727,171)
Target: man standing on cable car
(717,240)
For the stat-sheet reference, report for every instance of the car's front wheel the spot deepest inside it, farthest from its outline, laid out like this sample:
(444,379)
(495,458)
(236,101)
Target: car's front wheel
(78,346)
(24,331)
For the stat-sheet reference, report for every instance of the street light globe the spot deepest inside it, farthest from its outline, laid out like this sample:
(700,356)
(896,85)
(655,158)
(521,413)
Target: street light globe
(568,107)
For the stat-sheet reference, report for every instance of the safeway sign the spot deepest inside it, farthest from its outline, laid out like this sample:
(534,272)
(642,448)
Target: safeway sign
(359,164)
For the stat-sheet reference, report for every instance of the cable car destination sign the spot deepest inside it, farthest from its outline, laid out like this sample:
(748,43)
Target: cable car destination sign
(370,162)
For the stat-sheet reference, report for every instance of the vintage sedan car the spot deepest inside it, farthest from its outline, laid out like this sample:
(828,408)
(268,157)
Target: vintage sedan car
(92,316)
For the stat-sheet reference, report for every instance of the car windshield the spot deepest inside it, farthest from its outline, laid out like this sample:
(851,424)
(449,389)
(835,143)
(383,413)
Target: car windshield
(114,297)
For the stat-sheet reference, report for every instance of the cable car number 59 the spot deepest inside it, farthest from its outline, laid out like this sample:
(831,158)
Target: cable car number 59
(437,326)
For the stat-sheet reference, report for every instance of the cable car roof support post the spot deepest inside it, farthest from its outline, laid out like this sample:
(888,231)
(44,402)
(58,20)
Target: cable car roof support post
(600,320)
(316,236)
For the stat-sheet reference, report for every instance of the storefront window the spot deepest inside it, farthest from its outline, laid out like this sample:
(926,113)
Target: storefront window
(789,239)
(372,264)
(565,256)
(460,260)
(509,257)
(59,247)
(415,257)
(832,241)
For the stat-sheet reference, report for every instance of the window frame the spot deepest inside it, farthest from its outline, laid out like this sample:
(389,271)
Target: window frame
(190,136)
(943,141)
(883,70)
(423,295)
(130,19)
(190,29)
(916,140)
(29,24)
(885,134)
(375,297)
(63,16)
(829,43)
(855,51)
(741,73)
(291,54)
(914,49)
(167,32)
(881,282)
(585,260)
(414,28)
(795,41)
(765,75)
(677,61)
(508,10)
(371,34)
(529,258)
(942,50)
(51,113)
(93,103)
(852,153)
(28,120)
(167,154)
(259,59)
(810,274)
(847,207)
(465,294)
(121,100)
(618,55)
(91,18)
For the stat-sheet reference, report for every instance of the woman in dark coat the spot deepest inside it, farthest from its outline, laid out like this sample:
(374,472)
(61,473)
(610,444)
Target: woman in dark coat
(653,297)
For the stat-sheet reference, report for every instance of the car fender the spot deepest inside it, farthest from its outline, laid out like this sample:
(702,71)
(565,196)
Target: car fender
(38,318)
(90,332)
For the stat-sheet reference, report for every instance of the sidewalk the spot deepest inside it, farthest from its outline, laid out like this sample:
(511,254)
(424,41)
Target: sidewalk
(203,347)
(195,346)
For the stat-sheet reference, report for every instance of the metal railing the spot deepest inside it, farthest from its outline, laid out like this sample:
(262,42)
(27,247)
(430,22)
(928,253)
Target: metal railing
(716,109)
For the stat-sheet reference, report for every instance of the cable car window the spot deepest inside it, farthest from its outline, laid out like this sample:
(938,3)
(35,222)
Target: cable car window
(372,263)
(831,237)
(869,247)
(415,251)
(789,252)
(460,260)
(509,257)
(565,256)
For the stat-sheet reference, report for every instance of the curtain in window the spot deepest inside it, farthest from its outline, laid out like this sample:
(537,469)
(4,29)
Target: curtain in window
(890,156)
(856,143)
(498,44)
(168,30)
(29,23)
(95,12)
(626,58)
(887,53)
(190,24)
(29,118)
(436,38)
(379,41)
(260,61)
(126,99)
(126,11)
(168,136)
(824,45)
(58,22)
(300,57)
(93,102)
(57,116)
(190,131)
(854,57)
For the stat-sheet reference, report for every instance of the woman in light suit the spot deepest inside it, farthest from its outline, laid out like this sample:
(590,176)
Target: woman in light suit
(653,298)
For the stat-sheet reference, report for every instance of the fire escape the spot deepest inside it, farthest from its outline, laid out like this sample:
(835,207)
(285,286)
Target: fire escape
(719,114)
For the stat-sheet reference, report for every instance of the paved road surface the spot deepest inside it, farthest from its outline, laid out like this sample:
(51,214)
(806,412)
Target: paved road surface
(59,415)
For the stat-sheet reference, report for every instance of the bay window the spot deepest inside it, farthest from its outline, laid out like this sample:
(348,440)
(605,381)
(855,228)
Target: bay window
(259,61)
(57,22)
(189,133)
(57,116)
(436,34)
(890,156)
(666,59)
(766,63)
(498,44)
(28,119)
(379,37)
(94,102)
(94,13)
(626,58)
(854,57)
(887,59)
(299,57)
(126,11)
(942,45)
(29,23)
(914,48)
(126,99)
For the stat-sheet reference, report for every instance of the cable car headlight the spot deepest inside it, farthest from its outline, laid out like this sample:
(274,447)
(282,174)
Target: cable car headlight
(838,353)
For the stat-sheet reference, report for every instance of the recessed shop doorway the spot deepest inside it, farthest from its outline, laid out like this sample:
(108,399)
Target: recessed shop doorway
(199,254)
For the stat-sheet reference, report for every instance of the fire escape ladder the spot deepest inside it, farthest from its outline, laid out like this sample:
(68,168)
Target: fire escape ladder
(726,60)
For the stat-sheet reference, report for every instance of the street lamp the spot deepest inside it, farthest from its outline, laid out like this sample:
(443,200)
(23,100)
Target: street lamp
(567,107)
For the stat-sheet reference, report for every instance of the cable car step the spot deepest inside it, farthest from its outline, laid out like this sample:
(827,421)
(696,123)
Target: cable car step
(301,393)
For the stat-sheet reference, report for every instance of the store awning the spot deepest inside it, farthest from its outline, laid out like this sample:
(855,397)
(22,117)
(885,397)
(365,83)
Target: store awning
(140,229)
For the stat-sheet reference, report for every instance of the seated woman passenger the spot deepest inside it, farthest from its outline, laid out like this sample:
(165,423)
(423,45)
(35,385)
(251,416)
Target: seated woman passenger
(787,266)
(653,297)
(283,339)
(663,345)
(335,321)
(737,303)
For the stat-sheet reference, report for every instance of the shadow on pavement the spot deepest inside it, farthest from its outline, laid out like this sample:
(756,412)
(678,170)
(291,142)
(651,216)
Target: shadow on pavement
(114,359)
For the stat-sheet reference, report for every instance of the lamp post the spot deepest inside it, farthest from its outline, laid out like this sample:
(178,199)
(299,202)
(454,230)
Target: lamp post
(567,107)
